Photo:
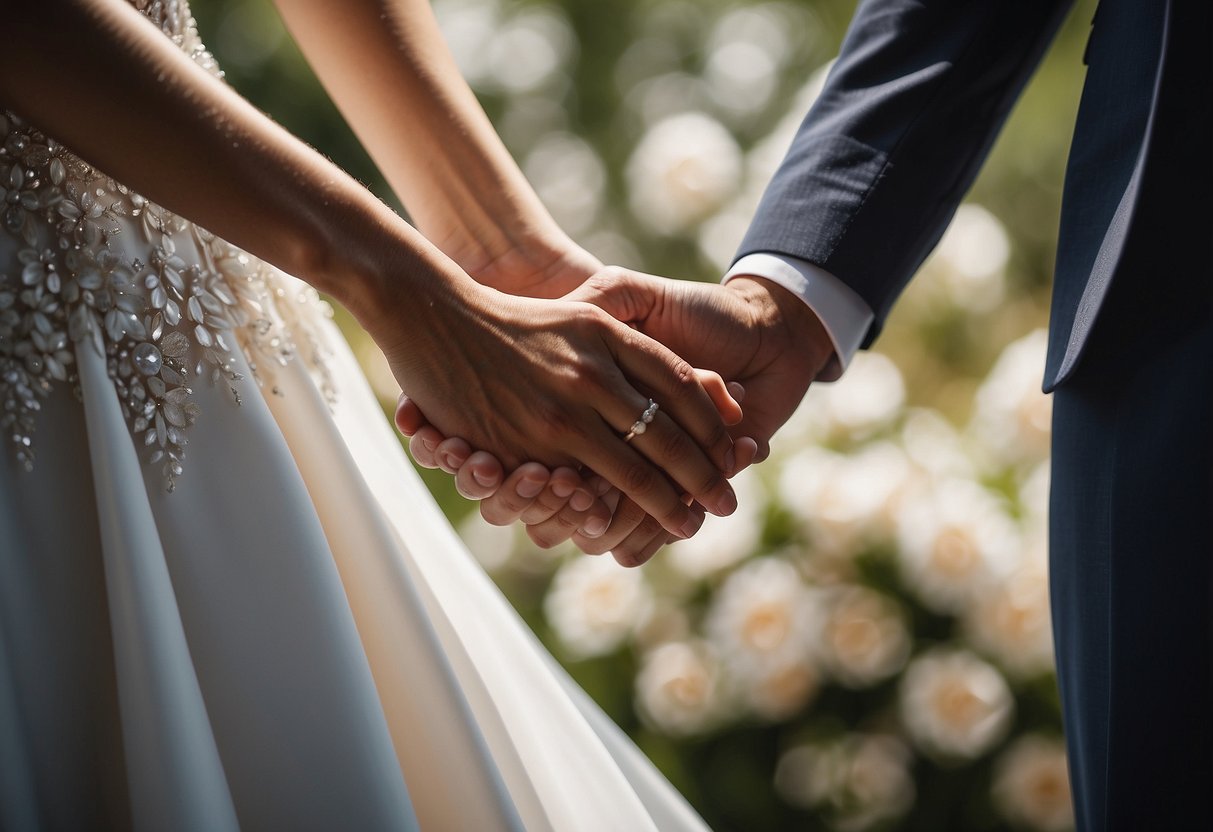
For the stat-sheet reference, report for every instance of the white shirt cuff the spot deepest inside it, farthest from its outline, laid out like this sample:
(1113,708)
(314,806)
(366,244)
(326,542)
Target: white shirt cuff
(845,315)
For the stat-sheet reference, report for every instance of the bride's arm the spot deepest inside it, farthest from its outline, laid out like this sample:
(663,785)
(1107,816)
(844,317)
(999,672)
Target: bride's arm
(522,378)
(387,66)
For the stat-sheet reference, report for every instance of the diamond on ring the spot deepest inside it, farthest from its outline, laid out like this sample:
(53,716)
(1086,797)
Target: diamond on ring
(642,424)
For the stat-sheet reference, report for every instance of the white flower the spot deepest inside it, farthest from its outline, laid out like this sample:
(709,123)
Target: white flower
(934,446)
(1032,785)
(491,545)
(968,267)
(761,617)
(529,50)
(569,178)
(745,51)
(722,541)
(594,604)
(955,705)
(1012,418)
(867,398)
(678,688)
(1034,500)
(1010,622)
(682,171)
(781,689)
(856,781)
(955,539)
(864,637)
(846,501)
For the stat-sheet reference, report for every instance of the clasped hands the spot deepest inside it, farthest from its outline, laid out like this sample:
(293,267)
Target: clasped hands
(762,339)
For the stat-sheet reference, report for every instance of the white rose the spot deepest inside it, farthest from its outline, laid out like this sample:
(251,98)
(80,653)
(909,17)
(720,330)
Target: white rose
(954,540)
(1010,622)
(955,705)
(967,270)
(761,617)
(678,688)
(1032,784)
(683,170)
(722,541)
(856,781)
(1012,418)
(864,638)
(594,604)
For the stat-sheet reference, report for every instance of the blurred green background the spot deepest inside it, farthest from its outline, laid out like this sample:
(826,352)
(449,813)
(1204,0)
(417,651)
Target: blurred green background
(866,645)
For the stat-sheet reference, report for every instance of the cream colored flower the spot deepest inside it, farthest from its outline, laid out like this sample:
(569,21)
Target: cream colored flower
(594,604)
(955,705)
(846,502)
(491,545)
(683,170)
(968,267)
(761,617)
(678,688)
(722,541)
(1032,784)
(865,400)
(781,689)
(935,446)
(954,540)
(855,782)
(569,177)
(864,638)
(1010,622)
(1012,417)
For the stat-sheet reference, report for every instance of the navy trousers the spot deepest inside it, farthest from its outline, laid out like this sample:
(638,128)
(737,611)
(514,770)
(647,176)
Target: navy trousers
(1131,541)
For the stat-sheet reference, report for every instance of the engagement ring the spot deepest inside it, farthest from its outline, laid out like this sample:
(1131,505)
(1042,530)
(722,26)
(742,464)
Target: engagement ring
(642,424)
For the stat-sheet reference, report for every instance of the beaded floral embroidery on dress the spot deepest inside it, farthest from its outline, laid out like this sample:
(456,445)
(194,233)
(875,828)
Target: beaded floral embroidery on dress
(88,263)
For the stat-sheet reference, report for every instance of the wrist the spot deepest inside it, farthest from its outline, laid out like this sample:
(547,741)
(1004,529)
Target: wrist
(781,312)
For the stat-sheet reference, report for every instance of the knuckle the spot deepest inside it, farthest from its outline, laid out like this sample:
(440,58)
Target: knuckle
(674,444)
(543,536)
(711,482)
(685,382)
(638,478)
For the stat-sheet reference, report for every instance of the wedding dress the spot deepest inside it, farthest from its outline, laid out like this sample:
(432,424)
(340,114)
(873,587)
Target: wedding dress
(226,599)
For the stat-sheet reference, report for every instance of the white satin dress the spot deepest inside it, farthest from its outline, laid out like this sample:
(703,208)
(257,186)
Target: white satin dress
(226,599)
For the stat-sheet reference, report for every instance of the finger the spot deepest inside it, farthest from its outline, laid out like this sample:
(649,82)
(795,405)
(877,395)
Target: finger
(564,524)
(563,485)
(409,418)
(746,452)
(606,453)
(631,551)
(696,433)
(423,444)
(664,442)
(721,394)
(452,453)
(737,391)
(480,476)
(515,495)
(627,515)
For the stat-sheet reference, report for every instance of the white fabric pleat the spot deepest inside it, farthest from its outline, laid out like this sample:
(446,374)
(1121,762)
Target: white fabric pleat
(522,706)
(172,765)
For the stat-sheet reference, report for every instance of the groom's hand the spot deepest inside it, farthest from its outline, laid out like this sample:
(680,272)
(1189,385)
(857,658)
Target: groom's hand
(751,331)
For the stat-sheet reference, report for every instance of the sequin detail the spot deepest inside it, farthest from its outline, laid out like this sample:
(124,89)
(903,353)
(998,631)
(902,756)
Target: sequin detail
(88,263)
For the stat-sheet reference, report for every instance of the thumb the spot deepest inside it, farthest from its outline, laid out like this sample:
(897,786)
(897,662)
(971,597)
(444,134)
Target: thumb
(623,294)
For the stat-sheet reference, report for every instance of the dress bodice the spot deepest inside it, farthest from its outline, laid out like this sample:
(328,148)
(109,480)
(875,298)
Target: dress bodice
(87,262)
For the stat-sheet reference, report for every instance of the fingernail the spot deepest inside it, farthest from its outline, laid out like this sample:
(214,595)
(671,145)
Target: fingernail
(562,489)
(529,489)
(601,487)
(690,527)
(730,461)
(727,504)
(594,527)
(581,500)
(430,444)
(483,479)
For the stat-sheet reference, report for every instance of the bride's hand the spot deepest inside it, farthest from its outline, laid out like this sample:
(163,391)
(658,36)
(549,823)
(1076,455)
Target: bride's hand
(560,382)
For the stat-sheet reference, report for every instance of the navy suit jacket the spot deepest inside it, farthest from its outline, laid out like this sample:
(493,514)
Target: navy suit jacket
(913,104)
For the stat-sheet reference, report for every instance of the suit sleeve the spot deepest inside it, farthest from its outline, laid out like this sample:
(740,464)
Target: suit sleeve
(908,114)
